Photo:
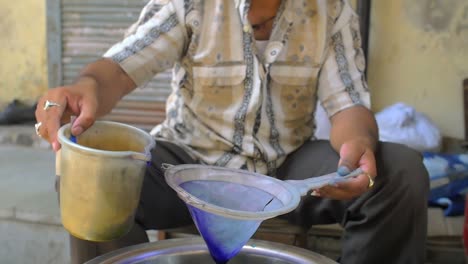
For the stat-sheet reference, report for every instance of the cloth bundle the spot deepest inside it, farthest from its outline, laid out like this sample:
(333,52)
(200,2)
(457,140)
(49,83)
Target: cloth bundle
(449,181)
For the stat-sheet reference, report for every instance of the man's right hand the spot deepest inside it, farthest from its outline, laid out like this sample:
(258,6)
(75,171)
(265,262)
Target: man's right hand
(79,99)
(98,89)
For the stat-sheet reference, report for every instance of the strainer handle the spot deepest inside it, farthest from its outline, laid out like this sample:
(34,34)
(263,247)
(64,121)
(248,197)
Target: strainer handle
(304,186)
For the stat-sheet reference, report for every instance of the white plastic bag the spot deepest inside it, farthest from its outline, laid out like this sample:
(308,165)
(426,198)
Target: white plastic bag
(322,122)
(402,124)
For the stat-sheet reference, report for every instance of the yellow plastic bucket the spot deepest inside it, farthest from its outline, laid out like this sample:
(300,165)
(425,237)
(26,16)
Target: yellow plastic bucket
(100,179)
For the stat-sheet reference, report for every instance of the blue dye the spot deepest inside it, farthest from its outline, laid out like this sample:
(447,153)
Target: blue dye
(223,236)
(226,236)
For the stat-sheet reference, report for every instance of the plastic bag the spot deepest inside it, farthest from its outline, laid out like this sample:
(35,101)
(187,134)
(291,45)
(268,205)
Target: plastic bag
(402,124)
(322,123)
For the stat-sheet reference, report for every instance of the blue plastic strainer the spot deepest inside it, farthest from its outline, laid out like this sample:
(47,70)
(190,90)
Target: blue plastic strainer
(228,205)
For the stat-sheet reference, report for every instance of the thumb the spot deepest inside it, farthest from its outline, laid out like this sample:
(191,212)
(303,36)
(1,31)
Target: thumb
(85,119)
(349,159)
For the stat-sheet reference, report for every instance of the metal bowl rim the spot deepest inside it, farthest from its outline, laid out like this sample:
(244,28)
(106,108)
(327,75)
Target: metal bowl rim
(181,245)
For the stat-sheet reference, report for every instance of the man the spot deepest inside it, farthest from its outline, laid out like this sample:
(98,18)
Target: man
(246,76)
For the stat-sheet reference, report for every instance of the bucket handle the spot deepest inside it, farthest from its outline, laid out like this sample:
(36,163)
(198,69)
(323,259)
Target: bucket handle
(146,156)
(140,156)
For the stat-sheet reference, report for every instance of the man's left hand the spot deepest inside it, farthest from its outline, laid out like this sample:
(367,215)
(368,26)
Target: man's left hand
(353,154)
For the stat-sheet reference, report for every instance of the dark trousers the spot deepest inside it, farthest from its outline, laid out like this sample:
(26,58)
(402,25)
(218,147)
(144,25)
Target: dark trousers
(387,224)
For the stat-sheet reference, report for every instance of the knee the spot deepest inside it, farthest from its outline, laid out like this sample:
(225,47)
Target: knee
(404,170)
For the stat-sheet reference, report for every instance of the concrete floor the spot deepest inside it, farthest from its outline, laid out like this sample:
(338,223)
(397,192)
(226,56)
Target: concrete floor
(29,213)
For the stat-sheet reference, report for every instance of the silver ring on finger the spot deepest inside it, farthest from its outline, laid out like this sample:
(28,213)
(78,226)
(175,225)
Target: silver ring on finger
(48,104)
(37,126)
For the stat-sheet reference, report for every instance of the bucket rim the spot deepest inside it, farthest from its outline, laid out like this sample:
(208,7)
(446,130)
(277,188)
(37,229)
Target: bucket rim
(225,212)
(64,140)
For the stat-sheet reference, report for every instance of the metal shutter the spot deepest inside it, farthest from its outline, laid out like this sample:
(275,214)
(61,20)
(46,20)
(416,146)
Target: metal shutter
(80,31)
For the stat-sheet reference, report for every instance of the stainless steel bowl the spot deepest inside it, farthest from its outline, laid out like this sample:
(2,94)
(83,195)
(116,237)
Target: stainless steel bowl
(194,251)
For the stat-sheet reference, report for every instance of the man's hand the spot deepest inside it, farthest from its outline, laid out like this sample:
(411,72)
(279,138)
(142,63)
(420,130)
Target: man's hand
(98,89)
(78,99)
(353,154)
(354,135)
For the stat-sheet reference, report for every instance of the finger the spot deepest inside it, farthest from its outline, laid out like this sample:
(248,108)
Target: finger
(86,117)
(347,189)
(367,164)
(349,158)
(37,128)
(53,117)
(333,193)
(39,125)
(355,186)
(64,120)
(47,115)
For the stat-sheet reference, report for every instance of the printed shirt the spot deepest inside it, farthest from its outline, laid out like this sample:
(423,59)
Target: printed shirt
(231,105)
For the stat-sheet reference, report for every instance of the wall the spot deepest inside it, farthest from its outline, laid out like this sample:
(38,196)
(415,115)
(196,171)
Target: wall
(23,71)
(418,55)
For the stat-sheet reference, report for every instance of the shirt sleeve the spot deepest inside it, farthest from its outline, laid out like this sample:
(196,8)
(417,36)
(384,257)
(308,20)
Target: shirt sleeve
(342,82)
(153,43)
